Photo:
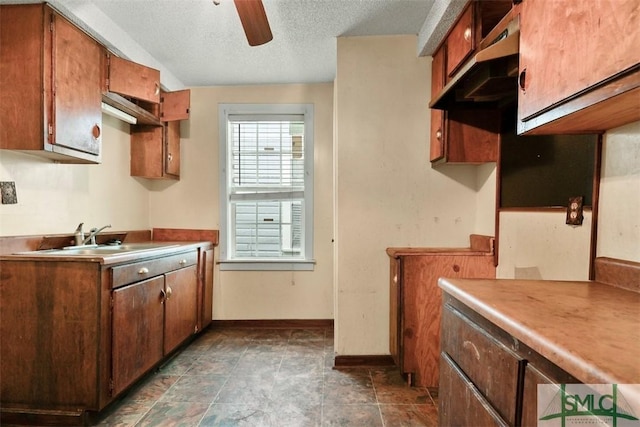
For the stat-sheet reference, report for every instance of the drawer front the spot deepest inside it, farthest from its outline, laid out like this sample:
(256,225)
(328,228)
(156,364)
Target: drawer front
(125,274)
(461,403)
(492,367)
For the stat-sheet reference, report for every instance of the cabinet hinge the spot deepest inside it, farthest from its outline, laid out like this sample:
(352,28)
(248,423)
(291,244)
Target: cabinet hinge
(50,129)
(195,329)
(111,387)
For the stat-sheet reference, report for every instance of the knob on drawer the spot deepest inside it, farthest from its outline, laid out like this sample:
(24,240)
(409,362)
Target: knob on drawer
(143,270)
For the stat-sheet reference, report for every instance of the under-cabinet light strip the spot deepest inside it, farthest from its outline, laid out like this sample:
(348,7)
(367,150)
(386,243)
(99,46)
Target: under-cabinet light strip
(114,112)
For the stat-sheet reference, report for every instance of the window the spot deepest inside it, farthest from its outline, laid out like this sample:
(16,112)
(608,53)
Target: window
(266,186)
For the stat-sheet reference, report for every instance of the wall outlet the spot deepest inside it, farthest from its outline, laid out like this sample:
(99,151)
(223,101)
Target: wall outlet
(574,211)
(8,190)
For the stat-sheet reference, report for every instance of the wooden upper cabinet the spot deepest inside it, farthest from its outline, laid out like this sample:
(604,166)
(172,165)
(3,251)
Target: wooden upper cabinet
(579,65)
(437,116)
(175,105)
(461,41)
(133,80)
(51,81)
(155,151)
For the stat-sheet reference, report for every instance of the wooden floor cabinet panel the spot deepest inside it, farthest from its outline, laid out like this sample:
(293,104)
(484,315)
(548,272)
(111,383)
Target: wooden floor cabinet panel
(138,314)
(415,308)
(181,287)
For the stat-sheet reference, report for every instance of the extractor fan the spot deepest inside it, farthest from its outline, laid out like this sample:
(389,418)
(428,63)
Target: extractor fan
(254,21)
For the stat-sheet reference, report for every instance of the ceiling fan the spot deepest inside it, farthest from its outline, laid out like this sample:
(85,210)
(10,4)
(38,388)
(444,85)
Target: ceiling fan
(254,21)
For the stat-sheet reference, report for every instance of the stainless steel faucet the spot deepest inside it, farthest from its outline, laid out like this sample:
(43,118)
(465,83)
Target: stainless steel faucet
(80,240)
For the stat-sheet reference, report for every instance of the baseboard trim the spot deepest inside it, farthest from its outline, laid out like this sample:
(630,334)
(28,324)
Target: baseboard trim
(364,360)
(274,324)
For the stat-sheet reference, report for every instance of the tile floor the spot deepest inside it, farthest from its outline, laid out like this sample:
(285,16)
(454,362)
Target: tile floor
(270,377)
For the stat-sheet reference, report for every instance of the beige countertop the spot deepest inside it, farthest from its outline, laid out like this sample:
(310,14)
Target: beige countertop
(161,249)
(589,329)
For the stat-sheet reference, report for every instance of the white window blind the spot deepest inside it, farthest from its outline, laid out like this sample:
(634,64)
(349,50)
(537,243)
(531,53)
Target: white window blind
(267,187)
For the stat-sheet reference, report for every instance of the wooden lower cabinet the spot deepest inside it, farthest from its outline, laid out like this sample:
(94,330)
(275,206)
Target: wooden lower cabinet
(461,403)
(76,334)
(487,376)
(180,307)
(415,306)
(138,314)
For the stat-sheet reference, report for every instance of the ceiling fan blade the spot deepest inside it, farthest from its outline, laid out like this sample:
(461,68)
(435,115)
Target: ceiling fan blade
(254,21)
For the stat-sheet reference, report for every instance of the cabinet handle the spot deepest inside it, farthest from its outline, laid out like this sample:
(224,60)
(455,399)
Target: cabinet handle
(163,296)
(439,135)
(143,270)
(169,157)
(95,131)
(157,91)
(183,261)
(467,34)
(522,79)
(169,292)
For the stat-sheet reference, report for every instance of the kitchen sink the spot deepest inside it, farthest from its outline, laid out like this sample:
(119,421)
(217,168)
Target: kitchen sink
(101,250)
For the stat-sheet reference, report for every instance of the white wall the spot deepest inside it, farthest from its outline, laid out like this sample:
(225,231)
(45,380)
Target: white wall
(619,215)
(540,245)
(193,203)
(54,198)
(387,194)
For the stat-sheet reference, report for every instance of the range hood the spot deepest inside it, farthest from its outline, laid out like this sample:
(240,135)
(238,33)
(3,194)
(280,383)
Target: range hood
(489,78)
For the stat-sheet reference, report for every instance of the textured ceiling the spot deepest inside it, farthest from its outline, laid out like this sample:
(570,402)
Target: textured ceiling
(196,43)
(203,44)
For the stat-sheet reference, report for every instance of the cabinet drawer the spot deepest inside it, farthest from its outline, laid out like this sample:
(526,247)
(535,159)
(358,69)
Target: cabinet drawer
(130,273)
(461,403)
(492,367)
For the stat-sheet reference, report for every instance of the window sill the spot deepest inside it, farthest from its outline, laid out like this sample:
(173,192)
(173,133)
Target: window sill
(267,265)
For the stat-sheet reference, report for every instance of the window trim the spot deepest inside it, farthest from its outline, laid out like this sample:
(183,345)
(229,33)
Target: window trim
(282,264)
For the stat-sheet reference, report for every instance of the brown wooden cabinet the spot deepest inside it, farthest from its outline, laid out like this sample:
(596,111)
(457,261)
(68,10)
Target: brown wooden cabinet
(133,80)
(138,314)
(180,307)
(488,377)
(461,41)
(579,66)
(155,151)
(415,304)
(90,329)
(461,135)
(51,81)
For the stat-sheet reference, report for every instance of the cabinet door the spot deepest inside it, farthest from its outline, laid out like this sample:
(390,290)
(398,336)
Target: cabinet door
(460,402)
(206,275)
(422,307)
(395,311)
(461,40)
(155,151)
(77,92)
(471,136)
(181,308)
(437,116)
(175,105)
(172,149)
(134,80)
(568,47)
(137,326)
